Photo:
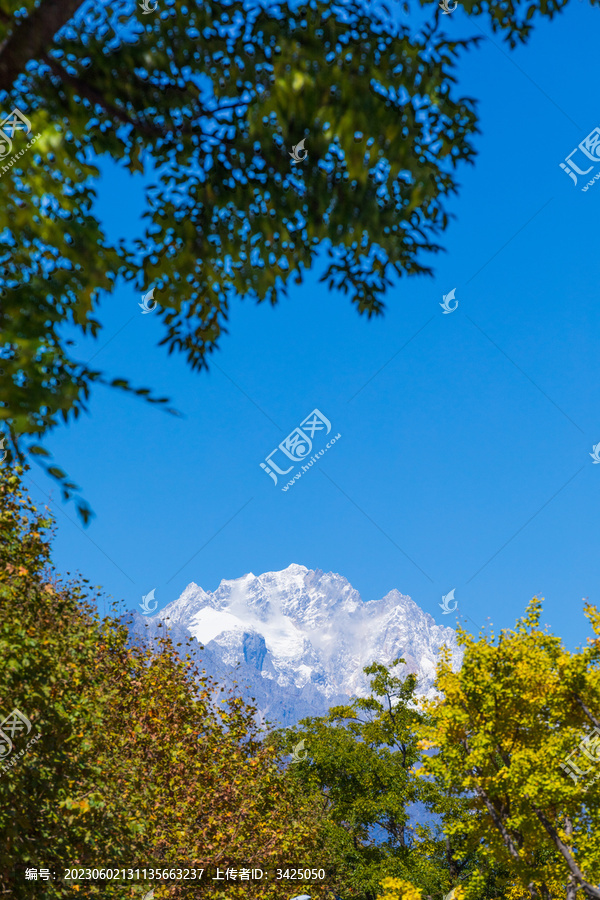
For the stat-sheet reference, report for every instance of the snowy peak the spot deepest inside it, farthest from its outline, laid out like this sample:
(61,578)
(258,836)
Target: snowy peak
(297,592)
(303,628)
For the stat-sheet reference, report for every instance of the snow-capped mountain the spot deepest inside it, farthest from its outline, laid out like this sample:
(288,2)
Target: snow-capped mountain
(301,637)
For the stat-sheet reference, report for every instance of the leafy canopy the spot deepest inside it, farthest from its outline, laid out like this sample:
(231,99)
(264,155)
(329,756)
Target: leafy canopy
(206,99)
(360,761)
(505,723)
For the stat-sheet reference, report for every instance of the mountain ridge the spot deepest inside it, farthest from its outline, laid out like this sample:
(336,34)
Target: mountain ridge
(299,638)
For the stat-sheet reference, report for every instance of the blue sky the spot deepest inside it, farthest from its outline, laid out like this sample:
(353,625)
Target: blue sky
(463,461)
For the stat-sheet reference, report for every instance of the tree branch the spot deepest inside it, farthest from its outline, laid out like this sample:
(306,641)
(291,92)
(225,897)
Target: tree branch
(508,841)
(32,37)
(571,885)
(588,712)
(96,98)
(574,869)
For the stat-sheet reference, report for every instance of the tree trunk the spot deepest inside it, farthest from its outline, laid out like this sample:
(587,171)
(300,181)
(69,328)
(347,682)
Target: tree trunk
(571,885)
(33,36)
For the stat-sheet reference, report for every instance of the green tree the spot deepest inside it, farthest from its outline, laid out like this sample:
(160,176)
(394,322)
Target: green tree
(209,98)
(500,735)
(361,760)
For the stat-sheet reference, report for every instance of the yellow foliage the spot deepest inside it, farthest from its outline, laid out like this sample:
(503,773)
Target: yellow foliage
(397,889)
(518,892)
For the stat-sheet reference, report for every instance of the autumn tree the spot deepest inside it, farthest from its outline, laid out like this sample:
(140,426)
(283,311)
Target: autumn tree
(516,733)
(54,801)
(138,760)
